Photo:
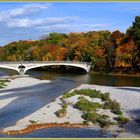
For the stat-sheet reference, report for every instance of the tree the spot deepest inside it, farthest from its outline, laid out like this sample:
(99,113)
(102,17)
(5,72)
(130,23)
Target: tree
(134,31)
(124,55)
(116,40)
(11,58)
(56,38)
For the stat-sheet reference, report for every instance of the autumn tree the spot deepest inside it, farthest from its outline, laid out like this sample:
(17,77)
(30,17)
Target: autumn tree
(134,32)
(124,54)
(56,38)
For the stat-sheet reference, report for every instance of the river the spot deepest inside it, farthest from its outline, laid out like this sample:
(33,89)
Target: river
(77,78)
(107,80)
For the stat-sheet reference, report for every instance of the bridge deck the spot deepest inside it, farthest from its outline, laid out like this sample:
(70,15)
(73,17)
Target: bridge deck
(41,62)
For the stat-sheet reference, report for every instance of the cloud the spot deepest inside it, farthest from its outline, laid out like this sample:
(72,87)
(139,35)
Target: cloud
(56,28)
(71,27)
(40,22)
(134,9)
(96,25)
(28,9)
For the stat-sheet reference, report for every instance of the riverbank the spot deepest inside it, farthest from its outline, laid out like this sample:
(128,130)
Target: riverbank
(44,116)
(116,74)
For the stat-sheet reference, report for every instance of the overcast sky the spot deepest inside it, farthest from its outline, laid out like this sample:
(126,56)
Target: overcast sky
(28,20)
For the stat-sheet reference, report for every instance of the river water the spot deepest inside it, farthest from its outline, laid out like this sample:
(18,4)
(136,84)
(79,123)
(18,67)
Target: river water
(71,80)
(107,80)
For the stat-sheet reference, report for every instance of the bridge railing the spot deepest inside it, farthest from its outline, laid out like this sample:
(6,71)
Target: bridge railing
(42,62)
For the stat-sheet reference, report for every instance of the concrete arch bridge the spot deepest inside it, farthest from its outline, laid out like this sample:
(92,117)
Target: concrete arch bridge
(23,66)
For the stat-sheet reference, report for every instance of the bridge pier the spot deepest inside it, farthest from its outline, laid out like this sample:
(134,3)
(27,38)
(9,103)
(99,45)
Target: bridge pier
(21,71)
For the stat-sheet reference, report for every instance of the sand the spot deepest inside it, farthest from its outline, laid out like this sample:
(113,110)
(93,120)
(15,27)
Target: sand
(128,97)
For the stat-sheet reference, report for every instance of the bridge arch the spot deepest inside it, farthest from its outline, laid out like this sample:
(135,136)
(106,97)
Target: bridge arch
(43,65)
(11,68)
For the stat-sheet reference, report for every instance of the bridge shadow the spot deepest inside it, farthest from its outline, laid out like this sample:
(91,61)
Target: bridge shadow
(30,99)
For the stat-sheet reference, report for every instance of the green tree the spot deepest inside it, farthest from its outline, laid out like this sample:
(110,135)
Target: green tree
(134,32)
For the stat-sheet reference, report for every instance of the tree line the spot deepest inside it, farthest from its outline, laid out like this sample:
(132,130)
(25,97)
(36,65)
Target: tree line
(106,51)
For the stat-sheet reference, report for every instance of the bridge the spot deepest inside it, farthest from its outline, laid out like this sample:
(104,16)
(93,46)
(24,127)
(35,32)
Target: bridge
(23,66)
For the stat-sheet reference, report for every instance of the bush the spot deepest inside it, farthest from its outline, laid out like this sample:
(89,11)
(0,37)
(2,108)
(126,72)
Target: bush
(5,80)
(67,95)
(86,122)
(103,123)
(2,83)
(61,113)
(32,121)
(105,97)
(105,116)
(88,92)
(65,106)
(84,105)
(90,117)
(122,120)
(96,118)
(117,111)
(114,106)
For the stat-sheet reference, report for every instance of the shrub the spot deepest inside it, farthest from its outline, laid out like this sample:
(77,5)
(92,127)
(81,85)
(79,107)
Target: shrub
(114,106)
(2,83)
(88,92)
(96,118)
(105,97)
(66,123)
(32,121)
(122,120)
(103,122)
(105,116)
(117,111)
(90,117)
(5,80)
(86,122)
(61,113)
(68,94)
(84,105)
(81,98)
(64,106)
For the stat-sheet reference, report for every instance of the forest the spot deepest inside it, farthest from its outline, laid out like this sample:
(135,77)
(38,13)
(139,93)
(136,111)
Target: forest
(106,51)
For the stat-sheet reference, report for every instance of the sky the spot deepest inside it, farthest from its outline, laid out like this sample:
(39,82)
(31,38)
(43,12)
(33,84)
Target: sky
(32,20)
